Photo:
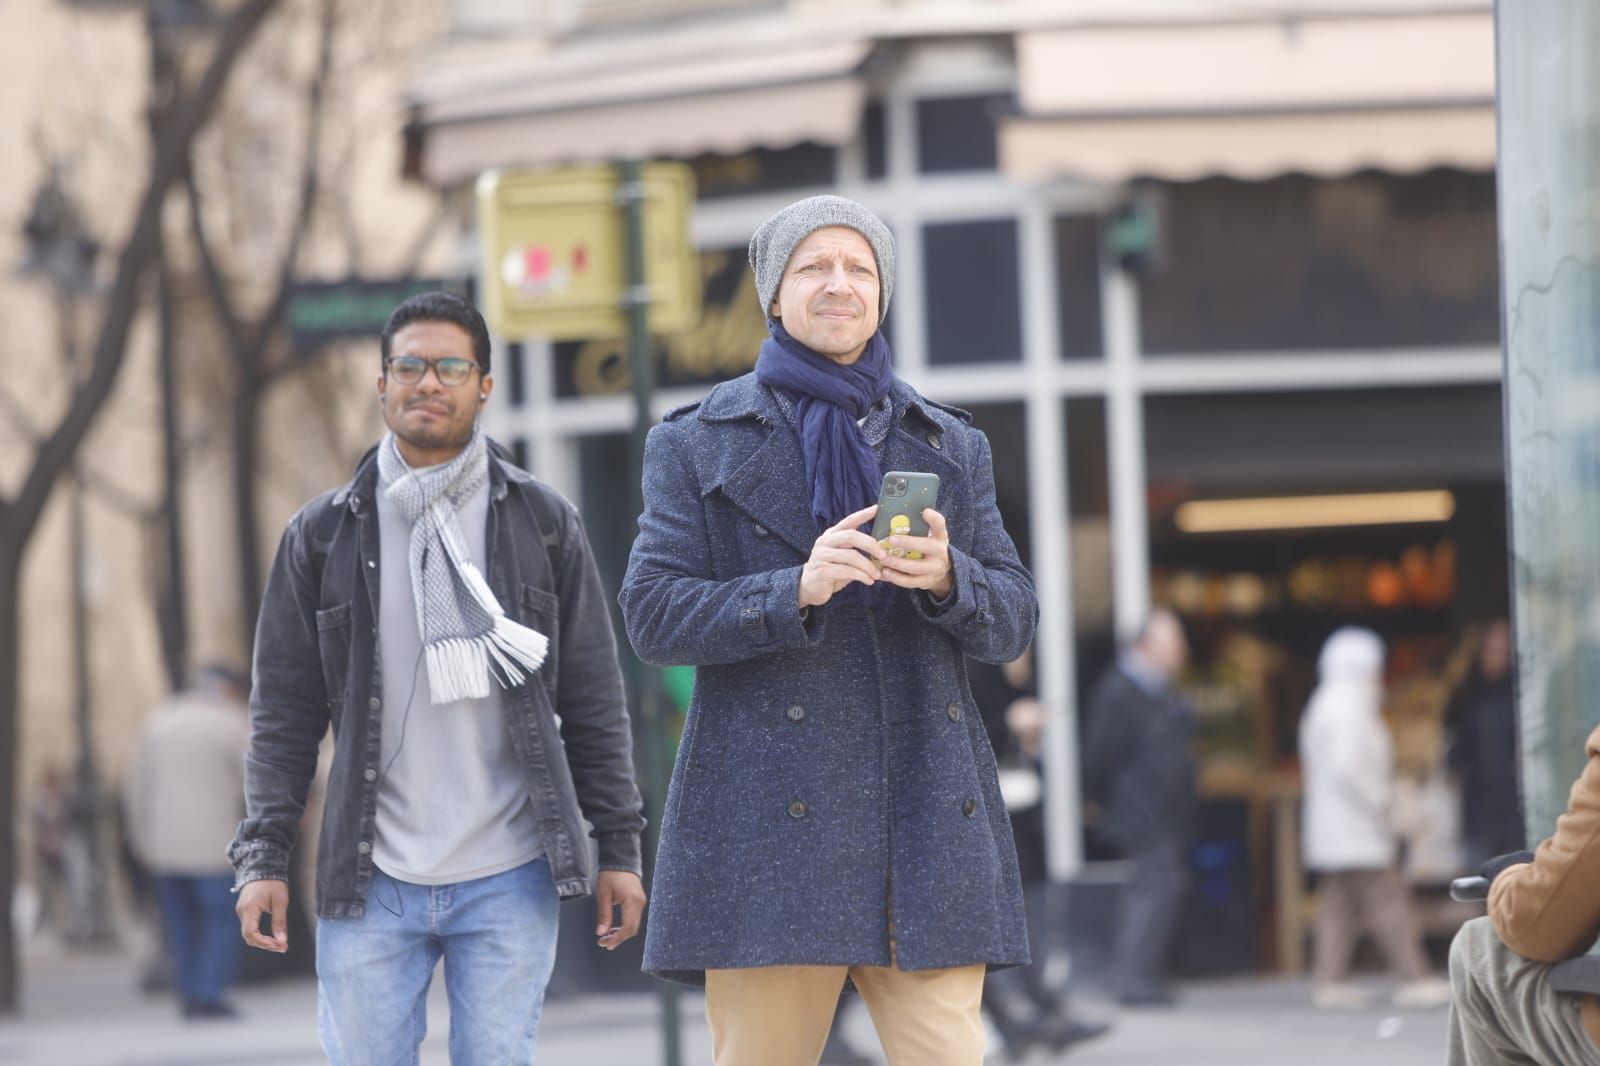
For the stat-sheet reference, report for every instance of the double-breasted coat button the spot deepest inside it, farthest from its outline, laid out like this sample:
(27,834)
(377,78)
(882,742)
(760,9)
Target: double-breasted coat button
(935,441)
(760,530)
(370,774)
(364,848)
(969,807)
(797,809)
(796,713)
(374,703)
(954,711)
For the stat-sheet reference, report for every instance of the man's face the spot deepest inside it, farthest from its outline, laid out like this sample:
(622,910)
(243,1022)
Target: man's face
(1164,645)
(828,298)
(1495,657)
(432,419)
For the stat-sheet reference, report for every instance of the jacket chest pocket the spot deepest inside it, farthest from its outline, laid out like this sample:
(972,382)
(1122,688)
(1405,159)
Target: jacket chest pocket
(333,647)
(541,610)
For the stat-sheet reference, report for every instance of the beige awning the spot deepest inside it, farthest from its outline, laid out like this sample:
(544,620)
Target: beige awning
(1254,99)
(626,100)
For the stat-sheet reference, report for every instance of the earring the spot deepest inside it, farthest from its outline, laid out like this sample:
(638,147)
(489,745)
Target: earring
(483,397)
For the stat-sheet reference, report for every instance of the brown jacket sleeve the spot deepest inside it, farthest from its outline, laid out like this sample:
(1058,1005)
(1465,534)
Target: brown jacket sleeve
(1549,910)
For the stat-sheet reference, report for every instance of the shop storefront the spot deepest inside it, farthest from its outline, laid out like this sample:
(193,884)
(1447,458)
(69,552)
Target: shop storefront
(1254,311)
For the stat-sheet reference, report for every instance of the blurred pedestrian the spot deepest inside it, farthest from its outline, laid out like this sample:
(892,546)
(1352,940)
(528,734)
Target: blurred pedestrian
(1014,719)
(443,613)
(1139,774)
(47,809)
(834,813)
(1347,758)
(1481,722)
(185,794)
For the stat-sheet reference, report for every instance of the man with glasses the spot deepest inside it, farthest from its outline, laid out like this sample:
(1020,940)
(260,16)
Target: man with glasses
(443,613)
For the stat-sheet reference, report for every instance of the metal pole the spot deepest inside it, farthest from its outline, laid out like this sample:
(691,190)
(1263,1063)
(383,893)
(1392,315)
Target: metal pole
(641,358)
(1130,536)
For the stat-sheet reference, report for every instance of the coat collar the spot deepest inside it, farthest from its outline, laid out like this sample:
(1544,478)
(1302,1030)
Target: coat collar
(765,484)
(744,397)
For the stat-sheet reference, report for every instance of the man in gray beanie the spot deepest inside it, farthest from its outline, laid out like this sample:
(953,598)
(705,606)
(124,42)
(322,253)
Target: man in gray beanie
(834,812)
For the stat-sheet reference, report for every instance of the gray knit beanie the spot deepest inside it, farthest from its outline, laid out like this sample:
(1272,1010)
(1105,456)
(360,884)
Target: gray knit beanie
(781,234)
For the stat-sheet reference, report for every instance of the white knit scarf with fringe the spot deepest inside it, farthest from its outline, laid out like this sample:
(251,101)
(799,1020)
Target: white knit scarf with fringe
(464,629)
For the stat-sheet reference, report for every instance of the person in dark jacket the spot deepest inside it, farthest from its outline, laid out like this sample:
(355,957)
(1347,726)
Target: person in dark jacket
(1139,775)
(443,614)
(834,811)
(1481,721)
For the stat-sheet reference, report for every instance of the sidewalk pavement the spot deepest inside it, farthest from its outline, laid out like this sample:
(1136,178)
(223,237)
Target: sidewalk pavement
(86,1010)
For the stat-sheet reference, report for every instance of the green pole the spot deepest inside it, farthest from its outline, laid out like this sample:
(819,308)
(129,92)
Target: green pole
(636,303)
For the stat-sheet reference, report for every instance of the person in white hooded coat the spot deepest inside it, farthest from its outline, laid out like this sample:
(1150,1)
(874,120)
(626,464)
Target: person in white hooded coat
(1347,758)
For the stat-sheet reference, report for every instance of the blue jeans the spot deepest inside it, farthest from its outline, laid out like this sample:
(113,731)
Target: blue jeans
(497,937)
(202,934)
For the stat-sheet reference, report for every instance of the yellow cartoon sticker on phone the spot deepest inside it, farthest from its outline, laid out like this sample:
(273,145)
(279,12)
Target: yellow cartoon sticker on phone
(899,525)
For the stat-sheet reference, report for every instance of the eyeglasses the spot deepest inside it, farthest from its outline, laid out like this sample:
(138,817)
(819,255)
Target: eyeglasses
(410,370)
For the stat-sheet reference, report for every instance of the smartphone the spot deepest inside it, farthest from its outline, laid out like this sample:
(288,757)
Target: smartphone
(901,501)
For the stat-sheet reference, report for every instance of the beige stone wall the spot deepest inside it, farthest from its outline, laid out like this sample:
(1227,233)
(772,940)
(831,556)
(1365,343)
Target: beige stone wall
(76,83)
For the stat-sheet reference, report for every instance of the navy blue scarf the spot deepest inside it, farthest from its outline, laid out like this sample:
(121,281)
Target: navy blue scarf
(840,465)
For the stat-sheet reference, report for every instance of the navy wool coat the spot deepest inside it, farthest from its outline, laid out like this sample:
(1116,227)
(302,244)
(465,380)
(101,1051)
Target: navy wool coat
(834,785)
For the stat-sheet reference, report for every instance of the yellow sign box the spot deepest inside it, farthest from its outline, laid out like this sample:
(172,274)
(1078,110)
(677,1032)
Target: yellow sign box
(554,259)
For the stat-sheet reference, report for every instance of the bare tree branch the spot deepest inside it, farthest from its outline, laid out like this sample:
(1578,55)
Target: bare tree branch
(316,93)
(210,271)
(185,121)
(18,415)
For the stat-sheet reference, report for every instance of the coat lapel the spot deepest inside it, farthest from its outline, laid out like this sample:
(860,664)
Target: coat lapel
(768,485)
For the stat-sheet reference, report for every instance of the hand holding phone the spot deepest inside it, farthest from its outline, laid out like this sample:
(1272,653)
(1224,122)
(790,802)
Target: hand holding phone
(901,501)
(912,533)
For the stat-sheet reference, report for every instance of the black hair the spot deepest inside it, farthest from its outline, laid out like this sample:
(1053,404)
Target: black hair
(439,307)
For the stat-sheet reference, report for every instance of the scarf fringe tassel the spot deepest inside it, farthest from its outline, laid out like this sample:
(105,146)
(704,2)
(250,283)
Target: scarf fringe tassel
(458,668)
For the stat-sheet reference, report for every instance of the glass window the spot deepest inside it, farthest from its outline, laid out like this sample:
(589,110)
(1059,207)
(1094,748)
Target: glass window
(799,166)
(973,292)
(1549,64)
(1367,261)
(1078,275)
(1089,507)
(959,133)
(515,372)
(1005,427)
(875,138)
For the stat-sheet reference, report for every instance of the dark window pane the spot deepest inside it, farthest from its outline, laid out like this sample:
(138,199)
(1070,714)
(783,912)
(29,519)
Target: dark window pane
(764,170)
(1078,275)
(1367,261)
(875,136)
(515,371)
(519,451)
(974,307)
(958,133)
(1006,428)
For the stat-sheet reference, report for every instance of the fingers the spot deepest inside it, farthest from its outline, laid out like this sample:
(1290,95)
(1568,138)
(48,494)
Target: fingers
(632,913)
(851,521)
(280,919)
(624,891)
(938,529)
(849,559)
(270,898)
(603,906)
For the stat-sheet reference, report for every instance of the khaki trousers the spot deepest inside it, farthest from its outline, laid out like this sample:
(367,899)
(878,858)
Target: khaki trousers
(780,1015)
(1378,900)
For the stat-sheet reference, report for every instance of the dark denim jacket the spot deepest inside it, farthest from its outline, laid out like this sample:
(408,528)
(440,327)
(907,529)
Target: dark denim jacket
(316,663)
